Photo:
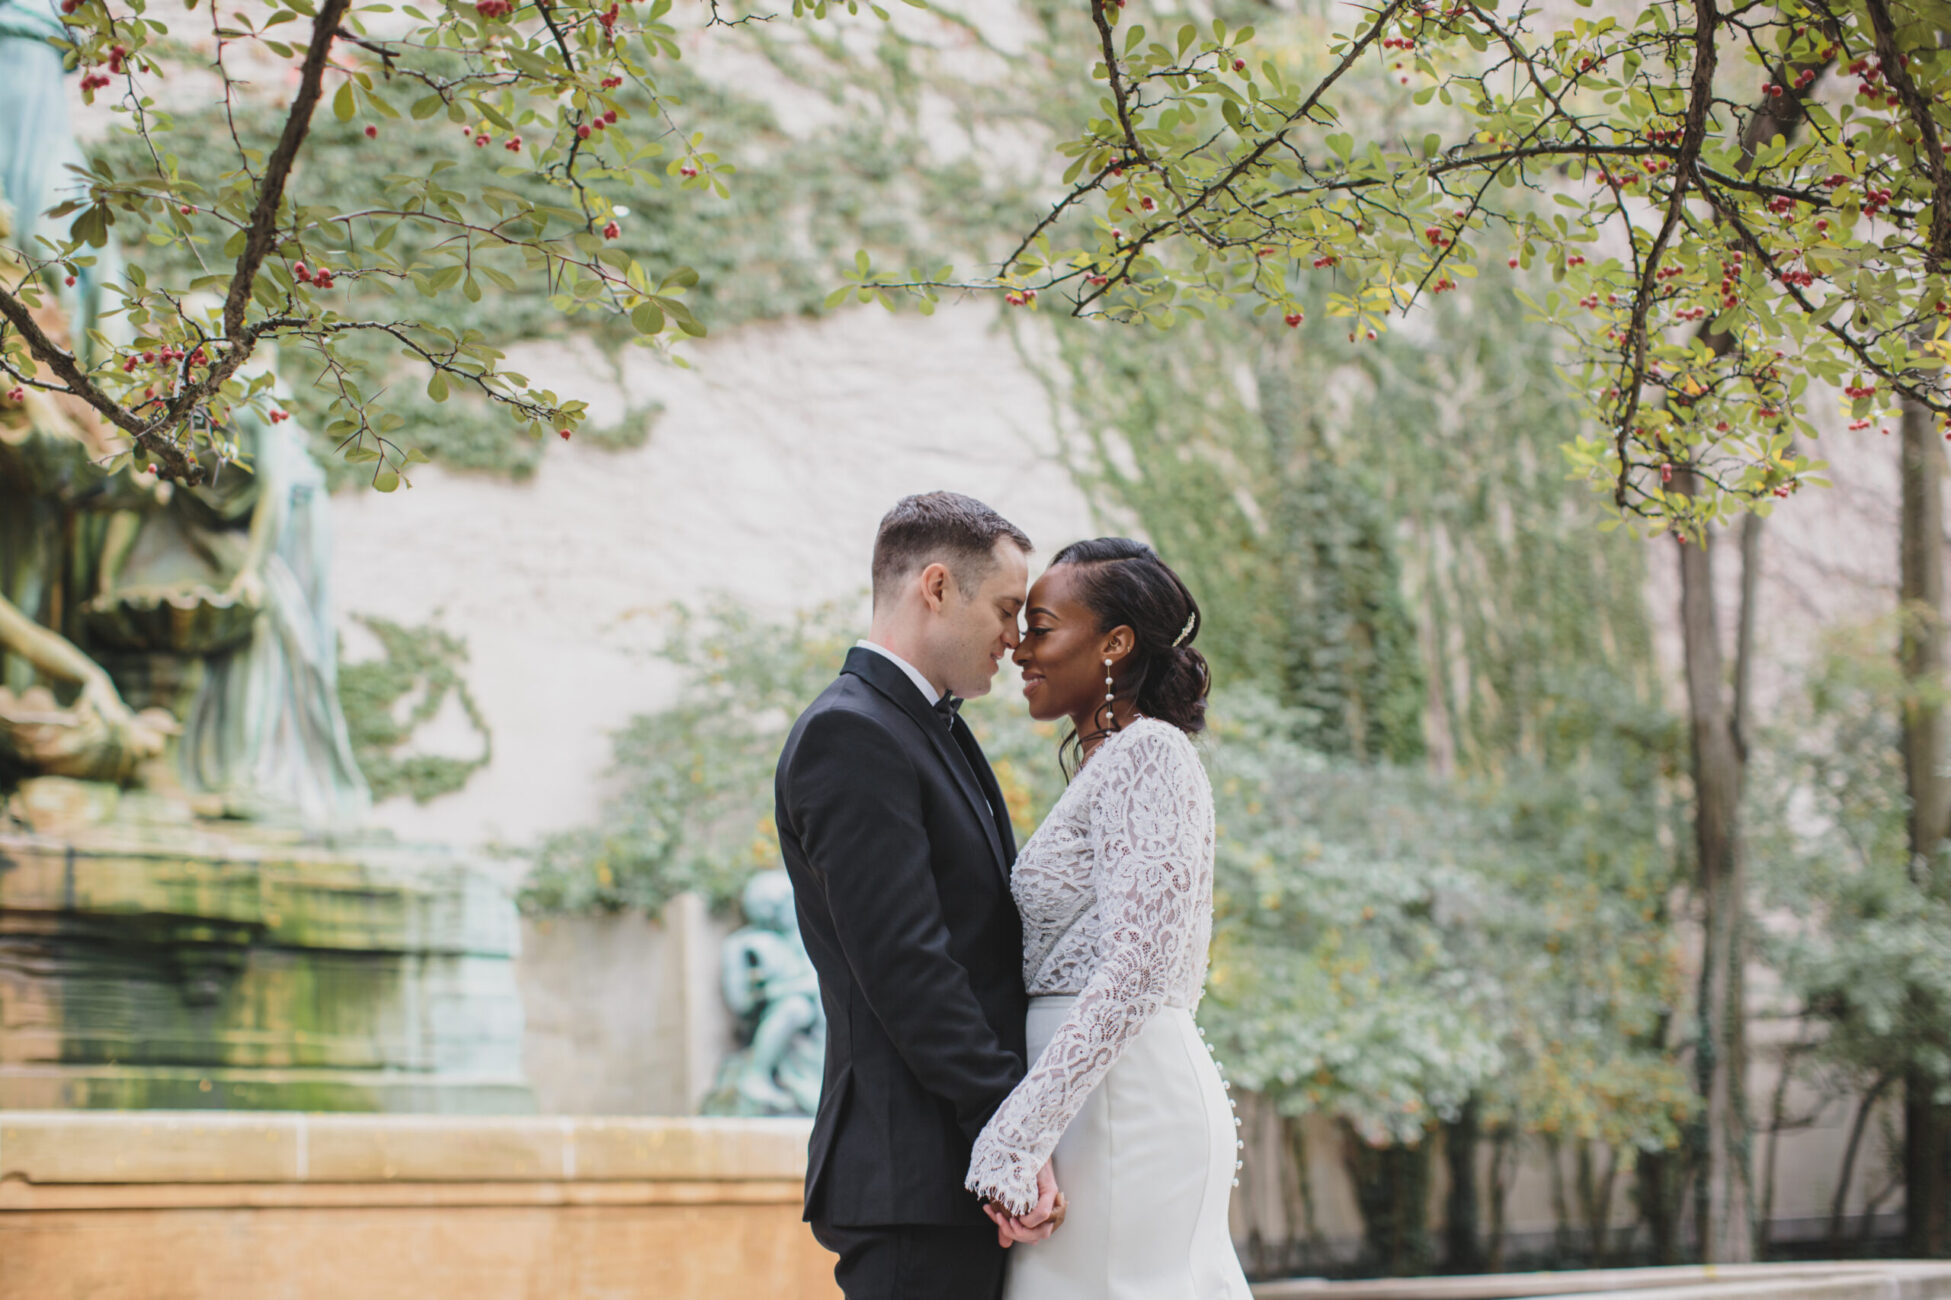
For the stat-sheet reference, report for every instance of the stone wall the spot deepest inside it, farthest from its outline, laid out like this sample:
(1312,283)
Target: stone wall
(622,1013)
(763,478)
(172,1206)
(169,1206)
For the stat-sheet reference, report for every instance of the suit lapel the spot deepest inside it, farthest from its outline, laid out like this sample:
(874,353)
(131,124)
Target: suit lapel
(986,778)
(884,676)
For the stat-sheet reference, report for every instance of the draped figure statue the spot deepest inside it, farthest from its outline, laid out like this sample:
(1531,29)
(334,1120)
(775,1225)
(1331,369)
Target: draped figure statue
(129,609)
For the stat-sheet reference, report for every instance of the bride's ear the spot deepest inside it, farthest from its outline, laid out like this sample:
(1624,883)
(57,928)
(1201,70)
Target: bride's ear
(1119,642)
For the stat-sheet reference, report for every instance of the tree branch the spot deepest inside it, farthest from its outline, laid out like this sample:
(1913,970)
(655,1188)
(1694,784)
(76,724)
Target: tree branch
(1700,101)
(1918,106)
(263,230)
(177,463)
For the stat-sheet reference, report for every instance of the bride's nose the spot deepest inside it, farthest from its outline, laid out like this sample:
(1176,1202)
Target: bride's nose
(1020,652)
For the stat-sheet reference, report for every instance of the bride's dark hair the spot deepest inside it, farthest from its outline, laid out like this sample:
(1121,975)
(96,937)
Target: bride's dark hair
(1123,582)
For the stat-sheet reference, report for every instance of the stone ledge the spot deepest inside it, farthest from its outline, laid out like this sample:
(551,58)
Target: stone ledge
(56,1148)
(1850,1280)
(19,1196)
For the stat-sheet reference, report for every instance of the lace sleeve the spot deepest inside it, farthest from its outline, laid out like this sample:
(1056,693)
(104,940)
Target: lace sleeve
(1146,837)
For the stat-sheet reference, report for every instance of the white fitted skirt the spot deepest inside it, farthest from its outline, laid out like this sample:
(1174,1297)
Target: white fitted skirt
(1147,1167)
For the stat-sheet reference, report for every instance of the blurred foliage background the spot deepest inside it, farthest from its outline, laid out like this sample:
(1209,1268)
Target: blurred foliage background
(1456,895)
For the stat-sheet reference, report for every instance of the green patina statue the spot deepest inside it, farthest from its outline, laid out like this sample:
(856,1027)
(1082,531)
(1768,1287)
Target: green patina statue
(191,914)
(133,611)
(771,987)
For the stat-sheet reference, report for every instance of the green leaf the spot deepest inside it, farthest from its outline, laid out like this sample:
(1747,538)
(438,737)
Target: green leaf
(343,106)
(647,318)
(386,480)
(437,386)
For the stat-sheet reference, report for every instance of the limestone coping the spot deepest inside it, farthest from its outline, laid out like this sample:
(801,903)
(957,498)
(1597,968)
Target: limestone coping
(1848,1280)
(53,1148)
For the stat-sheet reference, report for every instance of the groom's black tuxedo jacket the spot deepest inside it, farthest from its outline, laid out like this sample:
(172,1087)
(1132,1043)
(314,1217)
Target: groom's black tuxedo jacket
(899,848)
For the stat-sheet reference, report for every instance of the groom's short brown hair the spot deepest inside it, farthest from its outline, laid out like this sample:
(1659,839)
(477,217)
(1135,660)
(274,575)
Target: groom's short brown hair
(958,531)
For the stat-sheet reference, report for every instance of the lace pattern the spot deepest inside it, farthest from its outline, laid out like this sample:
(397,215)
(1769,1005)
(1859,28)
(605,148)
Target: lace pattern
(1116,891)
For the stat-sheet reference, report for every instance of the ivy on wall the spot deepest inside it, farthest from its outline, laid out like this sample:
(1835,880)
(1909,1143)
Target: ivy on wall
(418,668)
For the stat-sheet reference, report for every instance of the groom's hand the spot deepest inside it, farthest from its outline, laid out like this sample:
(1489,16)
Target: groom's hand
(1010,1229)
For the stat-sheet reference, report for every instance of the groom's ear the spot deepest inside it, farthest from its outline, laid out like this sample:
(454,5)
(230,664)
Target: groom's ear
(934,586)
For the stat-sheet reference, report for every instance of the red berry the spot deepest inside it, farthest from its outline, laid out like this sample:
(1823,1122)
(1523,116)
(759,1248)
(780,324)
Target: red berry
(372,132)
(582,132)
(612,230)
(1239,65)
(71,282)
(1293,318)
(564,433)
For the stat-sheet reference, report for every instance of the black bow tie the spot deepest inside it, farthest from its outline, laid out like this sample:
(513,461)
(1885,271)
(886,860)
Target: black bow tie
(948,706)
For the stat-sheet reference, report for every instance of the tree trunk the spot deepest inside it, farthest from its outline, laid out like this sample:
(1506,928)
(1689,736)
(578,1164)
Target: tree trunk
(1392,1193)
(1463,1245)
(1595,1198)
(1307,1250)
(1920,653)
(1725,1197)
(1864,1108)
(1503,1170)
(1656,1188)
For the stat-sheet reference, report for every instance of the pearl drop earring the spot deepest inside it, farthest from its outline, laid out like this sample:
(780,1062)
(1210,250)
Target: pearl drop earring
(1109,693)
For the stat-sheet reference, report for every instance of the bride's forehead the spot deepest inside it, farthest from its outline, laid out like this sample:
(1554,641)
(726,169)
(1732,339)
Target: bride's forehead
(1056,588)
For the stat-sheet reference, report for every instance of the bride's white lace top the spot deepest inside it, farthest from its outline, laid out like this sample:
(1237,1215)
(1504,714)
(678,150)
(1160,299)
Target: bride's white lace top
(1116,892)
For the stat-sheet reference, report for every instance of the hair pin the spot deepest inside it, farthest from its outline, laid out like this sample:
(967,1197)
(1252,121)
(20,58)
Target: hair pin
(1186,631)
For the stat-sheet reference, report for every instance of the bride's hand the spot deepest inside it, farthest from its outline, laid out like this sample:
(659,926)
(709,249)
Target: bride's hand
(1043,1219)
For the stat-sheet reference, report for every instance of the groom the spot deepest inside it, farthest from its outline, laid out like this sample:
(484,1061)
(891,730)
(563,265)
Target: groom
(899,848)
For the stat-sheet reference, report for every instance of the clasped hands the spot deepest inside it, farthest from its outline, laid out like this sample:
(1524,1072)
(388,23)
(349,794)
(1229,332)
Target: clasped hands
(1044,1218)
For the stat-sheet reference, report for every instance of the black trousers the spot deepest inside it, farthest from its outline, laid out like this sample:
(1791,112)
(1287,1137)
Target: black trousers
(915,1262)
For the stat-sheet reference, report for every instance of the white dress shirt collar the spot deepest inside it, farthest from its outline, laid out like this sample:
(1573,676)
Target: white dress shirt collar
(922,684)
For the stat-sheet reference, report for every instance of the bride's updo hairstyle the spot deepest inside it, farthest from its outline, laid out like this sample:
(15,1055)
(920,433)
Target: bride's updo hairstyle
(1123,582)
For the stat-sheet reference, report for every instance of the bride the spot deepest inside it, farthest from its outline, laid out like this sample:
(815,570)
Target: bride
(1115,890)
